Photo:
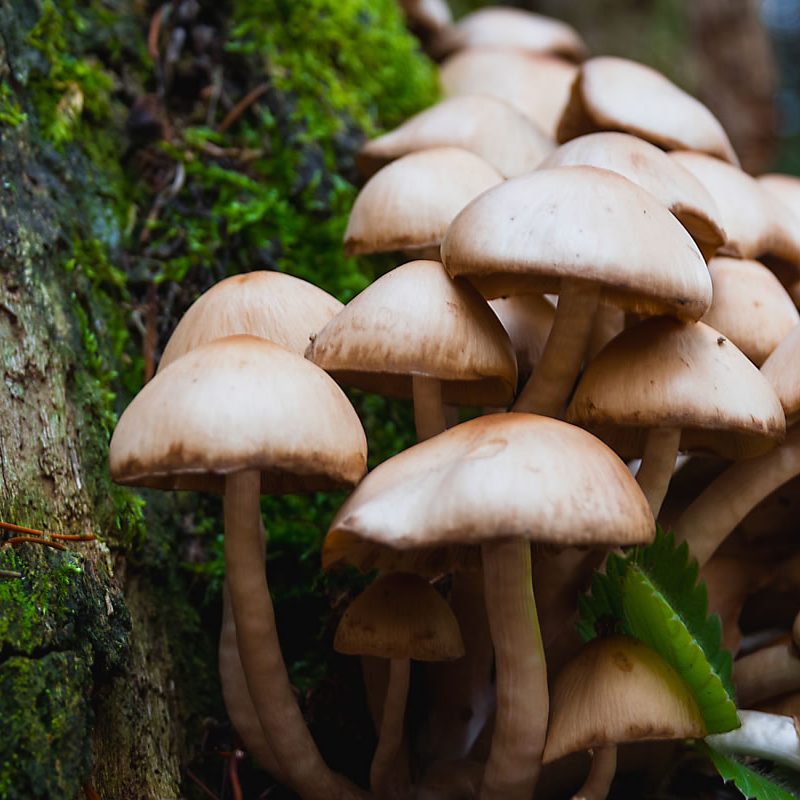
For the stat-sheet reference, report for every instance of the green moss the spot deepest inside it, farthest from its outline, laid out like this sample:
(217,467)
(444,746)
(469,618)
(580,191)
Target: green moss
(10,111)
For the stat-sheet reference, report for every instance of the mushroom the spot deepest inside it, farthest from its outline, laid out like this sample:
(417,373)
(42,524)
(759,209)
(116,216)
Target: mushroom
(767,673)
(761,735)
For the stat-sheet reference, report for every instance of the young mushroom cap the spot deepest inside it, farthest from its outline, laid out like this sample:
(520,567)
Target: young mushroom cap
(510,28)
(618,690)
(537,86)
(409,204)
(784,188)
(749,307)
(415,320)
(781,370)
(649,167)
(617,94)
(484,125)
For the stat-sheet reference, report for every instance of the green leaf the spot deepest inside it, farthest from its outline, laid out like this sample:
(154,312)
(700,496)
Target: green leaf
(652,594)
(758,785)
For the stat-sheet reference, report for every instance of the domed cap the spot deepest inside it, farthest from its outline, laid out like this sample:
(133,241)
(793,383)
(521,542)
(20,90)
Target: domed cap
(415,320)
(782,370)
(664,373)
(650,168)
(495,477)
(617,94)
(618,690)
(410,203)
(510,28)
(756,225)
(579,223)
(234,404)
(785,189)
(749,307)
(484,125)
(271,305)
(427,16)
(400,616)
(537,86)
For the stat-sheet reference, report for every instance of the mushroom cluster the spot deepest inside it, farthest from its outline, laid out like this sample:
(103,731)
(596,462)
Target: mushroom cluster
(592,268)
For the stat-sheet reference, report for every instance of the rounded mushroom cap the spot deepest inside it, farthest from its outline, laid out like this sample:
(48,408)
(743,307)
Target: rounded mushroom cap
(781,370)
(484,125)
(400,615)
(617,94)
(618,690)
(750,307)
(511,28)
(785,189)
(234,404)
(427,15)
(664,373)
(537,86)
(271,305)
(415,320)
(496,477)
(579,223)
(410,203)
(653,170)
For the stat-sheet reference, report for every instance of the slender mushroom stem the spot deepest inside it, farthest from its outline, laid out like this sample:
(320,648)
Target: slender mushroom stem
(601,774)
(428,407)
(520,728)
(390,739)
(762,735)
(549,387)
(658,463)
(729,499)
(767,673)
(267,680)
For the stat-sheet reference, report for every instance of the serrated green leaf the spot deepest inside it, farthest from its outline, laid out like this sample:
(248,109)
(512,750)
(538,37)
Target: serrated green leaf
(757,785)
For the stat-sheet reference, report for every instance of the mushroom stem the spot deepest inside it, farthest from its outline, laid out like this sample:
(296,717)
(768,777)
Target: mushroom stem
(549,387)
(729,499)
(762,735)
(259,650)
(428,407)
(520,728)
(658,463)
(601,774)
(767,673)
(390,739)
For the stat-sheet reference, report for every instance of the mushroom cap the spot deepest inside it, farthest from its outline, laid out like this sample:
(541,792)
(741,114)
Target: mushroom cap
(664,373)
(234,404)
(484,125)
(415,320)
(652,169)
(613,93)
(410,203)
(400,615)
(781,370)
(579,223)
(756,224)
(271,305)
(784,188)
(427,15)
(618,690)
(497,477)
(750,307)
(510,28)
(537,86)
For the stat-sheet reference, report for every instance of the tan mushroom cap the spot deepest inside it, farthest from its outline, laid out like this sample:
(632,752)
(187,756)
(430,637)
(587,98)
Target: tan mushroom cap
(272,305)
(484,125)
(410,203)
(617,94)
(750,307)
(537,86)
(511,28)
(664,373)
(497,477)
(649,167)
(400,616)
(234,404)
(618,690)
(427,15)
(415,320)
(757,226)
(782,370)
(784,188)
(579,223)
